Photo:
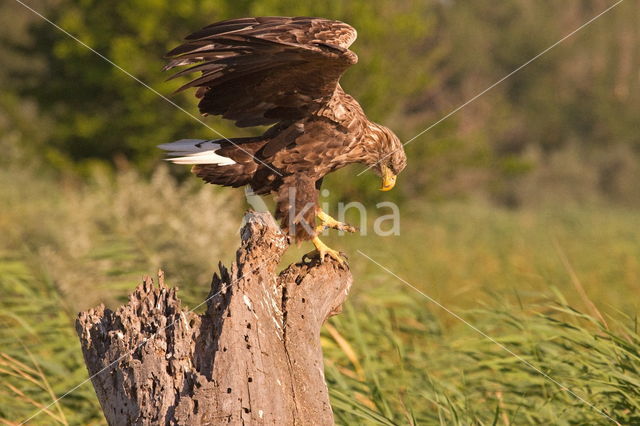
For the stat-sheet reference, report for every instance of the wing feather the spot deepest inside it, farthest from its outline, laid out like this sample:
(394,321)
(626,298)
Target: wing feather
(263,70)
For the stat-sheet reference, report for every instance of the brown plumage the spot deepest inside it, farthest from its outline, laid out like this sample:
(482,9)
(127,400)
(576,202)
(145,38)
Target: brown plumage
(283,72)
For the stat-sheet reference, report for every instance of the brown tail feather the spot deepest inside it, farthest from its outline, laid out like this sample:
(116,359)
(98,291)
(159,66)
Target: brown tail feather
(235,175)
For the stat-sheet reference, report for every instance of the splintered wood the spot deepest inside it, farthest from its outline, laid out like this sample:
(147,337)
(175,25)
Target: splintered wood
(253,357)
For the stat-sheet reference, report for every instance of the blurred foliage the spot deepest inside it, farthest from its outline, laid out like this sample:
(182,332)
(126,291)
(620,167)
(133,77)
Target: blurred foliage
(101,113)
(96,236)
(418,62)
(582,94)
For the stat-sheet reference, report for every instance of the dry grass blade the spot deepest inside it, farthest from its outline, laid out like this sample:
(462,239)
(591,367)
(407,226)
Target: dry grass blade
(347,349)
(575,280)
(35,376)
(15,364)
(36,404)
(47,386)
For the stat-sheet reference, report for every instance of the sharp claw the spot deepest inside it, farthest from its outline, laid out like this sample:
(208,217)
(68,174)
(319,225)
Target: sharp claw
(347,228)
(340,226)
(321,256)
(329,222)
(322,250)
(333,254)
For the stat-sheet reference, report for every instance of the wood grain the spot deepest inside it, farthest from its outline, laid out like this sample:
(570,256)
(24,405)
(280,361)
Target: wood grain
(253,357)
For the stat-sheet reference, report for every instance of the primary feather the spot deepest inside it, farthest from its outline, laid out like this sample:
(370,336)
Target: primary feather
(259,71)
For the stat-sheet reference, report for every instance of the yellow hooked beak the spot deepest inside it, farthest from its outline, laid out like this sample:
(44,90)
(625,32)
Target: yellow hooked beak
(388,179)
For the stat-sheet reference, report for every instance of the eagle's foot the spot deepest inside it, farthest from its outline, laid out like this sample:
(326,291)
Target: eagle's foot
(330,222)
(323,250)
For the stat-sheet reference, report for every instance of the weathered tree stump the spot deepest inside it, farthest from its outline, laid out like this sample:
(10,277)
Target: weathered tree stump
(253,357)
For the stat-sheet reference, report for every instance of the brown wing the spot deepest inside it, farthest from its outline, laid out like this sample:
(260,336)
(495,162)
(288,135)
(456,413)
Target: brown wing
(263,70)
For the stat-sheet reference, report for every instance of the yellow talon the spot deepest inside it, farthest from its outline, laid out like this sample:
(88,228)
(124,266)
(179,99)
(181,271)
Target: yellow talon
(323,250)
(329,222)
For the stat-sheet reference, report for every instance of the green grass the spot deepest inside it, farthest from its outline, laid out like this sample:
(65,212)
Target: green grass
(539,282)
(408,366)
(465,254)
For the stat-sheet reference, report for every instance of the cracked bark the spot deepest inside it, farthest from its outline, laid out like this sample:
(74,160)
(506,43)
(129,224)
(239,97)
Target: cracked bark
(253,357)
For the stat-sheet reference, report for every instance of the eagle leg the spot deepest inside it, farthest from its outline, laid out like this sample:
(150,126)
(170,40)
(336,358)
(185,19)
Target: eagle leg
(323,250)
(329,222)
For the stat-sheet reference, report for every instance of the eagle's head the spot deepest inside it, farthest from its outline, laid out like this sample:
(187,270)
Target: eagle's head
(387,158)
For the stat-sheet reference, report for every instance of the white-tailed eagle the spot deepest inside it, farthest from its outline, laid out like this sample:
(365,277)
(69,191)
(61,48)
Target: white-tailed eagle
(283,72)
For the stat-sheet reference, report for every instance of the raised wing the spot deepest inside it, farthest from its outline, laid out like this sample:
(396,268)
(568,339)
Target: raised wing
(263,70)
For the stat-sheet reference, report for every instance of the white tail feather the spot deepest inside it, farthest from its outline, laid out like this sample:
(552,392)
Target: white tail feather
(195,151)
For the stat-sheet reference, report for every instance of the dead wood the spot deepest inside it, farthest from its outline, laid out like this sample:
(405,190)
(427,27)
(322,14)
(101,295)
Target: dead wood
(253,357)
